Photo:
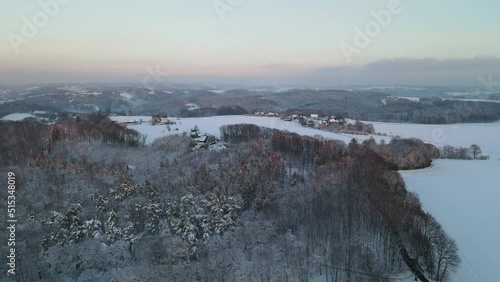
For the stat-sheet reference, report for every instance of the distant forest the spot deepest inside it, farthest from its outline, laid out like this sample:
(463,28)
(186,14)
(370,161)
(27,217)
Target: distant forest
(95,204)
(360,105)
(434,111)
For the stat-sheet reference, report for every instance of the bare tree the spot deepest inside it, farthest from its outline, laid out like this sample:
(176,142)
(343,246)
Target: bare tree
(475,150)
(447,258)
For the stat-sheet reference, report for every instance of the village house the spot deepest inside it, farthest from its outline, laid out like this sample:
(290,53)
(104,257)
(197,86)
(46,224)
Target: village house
(332,119)
(157,120)
(349,121)
(202,140)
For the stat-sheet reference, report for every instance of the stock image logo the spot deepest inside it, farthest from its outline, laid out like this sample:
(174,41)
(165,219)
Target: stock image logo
(31,26)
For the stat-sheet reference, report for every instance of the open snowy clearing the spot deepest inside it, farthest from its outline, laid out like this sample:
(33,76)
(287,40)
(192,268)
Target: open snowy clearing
(17,117)
(486,135)
(463,196)
(211,125)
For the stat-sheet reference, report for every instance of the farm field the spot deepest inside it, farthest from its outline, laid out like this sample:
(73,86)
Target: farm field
(463,196)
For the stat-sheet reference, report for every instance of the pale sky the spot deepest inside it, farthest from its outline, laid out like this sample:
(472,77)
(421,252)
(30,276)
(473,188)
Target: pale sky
(252,41)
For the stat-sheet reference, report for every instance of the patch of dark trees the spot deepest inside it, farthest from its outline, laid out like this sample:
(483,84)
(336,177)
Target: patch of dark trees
(427,111)
(473,152)
(231,110)
(212,111)
(23,141)
(95,128)
(432,111)
(408,153)
(400,153)
(357,128)
(202,112)
(26,107)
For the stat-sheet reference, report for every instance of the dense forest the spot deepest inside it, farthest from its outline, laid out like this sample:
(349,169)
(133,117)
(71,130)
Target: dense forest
(377,107)
(96,204)
(434,111)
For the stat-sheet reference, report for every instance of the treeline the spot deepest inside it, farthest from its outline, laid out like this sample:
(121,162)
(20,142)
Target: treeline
(409,153)
(432,111)
(213,111)
(473,152)
(97,211)
(95,128)
(24,141)
(298,150)
(231,110)
(357,128)
(202,112)
(373,187)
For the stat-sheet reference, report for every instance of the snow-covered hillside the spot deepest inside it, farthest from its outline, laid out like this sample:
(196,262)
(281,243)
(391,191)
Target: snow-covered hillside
(17,117)
(486,135)
(463,196)
(211,125)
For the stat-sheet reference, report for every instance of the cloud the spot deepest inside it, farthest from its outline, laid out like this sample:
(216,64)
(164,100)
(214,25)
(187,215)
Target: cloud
(425,71)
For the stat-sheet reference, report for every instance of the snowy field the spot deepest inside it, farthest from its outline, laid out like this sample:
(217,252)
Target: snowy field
(486,135)
(211,125)
(17,117)
(463,196)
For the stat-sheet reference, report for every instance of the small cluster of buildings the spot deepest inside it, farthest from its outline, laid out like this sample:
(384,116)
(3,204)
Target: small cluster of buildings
(203,140)
(270,114)
(157,120)
(129,122)
(315,121)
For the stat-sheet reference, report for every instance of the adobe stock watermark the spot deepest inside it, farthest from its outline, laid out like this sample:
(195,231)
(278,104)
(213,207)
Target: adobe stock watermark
(363,37)
(225,6)
(154,77)
(488,83)
(40,19)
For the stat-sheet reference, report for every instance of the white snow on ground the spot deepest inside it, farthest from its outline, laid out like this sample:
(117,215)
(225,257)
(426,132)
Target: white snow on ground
(473,100)
(211,125)
(463,196)
(486,135)
(192,106)
(127,96)
(217,91)
(17,117)
(414,99)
